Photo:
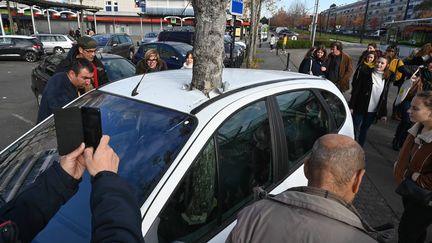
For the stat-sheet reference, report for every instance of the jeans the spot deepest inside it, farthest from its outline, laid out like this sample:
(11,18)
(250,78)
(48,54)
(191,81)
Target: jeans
(362,122)
(414,222)
(404,124)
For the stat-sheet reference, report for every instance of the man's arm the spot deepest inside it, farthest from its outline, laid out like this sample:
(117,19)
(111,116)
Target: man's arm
(115,212)
(32,209)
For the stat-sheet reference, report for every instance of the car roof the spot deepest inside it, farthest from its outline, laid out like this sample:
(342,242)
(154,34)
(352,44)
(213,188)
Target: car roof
(172,43)
(170,88)
(19,36)
(48,34)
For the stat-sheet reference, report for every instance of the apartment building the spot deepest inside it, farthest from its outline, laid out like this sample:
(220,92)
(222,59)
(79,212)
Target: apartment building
(350,16)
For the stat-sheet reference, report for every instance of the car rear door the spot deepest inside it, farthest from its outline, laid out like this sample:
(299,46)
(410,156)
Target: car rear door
(49,42)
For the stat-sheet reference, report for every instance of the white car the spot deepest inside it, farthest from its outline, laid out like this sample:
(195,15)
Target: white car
(56,43)
(193,161)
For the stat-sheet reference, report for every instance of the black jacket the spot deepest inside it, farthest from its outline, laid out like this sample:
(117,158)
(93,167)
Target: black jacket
(362,90)
(58,92)
(73,52)
(115,213)
(305,66)
(32,209)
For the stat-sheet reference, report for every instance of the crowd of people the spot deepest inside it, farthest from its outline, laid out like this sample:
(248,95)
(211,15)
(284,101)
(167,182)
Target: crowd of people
(373,75)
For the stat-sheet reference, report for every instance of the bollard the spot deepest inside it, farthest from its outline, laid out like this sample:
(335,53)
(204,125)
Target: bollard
(287,62)
(277,51)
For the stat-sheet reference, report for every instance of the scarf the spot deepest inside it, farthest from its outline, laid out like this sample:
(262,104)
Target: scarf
(369,64)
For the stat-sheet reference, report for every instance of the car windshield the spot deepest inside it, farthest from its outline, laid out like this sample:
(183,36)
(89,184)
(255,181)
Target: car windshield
(118,68)
(146,137)
(101,40)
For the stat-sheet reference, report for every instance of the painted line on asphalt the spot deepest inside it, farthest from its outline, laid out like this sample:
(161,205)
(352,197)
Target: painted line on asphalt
(23,119)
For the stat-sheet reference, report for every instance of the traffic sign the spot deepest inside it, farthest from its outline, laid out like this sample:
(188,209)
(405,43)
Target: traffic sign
(236,7)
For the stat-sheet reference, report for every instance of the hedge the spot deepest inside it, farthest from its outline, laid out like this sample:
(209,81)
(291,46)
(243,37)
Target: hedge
(303,44)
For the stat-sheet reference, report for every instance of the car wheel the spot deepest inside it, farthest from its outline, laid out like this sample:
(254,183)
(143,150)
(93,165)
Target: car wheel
(294,37)
(58,51)
(131,54)
(30,56)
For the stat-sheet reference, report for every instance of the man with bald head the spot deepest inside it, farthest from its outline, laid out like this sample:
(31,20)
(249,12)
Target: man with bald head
(320,212)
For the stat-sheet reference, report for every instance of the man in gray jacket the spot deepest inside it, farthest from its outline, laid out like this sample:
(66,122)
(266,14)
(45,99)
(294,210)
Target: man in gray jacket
(320,212)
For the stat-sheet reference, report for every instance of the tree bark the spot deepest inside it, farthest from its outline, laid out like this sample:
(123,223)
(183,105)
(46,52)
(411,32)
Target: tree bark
(255,4)
(208,50)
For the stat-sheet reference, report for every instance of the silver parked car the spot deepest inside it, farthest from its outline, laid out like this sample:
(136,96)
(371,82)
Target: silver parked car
(56,43)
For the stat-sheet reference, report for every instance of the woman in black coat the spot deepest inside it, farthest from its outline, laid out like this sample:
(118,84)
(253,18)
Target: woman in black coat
(369,97)
(313,61)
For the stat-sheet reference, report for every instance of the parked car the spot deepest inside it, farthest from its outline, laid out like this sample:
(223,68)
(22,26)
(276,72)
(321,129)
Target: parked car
(291,34)
(116,67)
(192,160)
(26,47)
(185,36)
(56,43)
(150,37)
(119,44)
(173,53)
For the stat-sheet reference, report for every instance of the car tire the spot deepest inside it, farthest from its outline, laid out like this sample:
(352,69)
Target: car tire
(294,37)
(58,51)
(30,56)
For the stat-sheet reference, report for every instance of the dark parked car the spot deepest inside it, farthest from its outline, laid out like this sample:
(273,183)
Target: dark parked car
(119,44)
(116,67)
(291,35)
(173,53)
(26,47)
(184,36)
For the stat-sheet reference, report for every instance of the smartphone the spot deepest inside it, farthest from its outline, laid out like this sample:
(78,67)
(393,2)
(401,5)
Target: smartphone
(92,126)
(69,129)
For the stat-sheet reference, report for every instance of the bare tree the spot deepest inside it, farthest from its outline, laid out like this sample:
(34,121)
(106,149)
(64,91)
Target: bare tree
(297,11)
(210,20)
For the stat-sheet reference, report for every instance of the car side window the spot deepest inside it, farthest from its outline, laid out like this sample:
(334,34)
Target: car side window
(212,192)
(115,40)
(166,52)
(60,38)
(304,119)
(336,106)
(123,39)
(5,41)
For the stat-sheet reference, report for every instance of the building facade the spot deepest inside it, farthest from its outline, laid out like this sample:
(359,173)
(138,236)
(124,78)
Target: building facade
(350,16)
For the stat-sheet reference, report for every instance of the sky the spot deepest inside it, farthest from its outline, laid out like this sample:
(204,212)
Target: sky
(310,4)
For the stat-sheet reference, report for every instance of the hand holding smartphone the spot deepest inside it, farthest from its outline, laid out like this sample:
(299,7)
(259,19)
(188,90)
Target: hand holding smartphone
(75,125)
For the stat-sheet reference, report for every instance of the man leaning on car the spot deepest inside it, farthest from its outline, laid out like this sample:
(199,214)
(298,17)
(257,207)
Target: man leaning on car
(85,48)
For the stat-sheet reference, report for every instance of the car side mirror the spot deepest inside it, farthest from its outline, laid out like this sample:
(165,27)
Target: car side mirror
(115,44)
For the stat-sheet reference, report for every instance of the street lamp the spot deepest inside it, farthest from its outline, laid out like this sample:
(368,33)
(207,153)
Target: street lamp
(141,24)
(364,22)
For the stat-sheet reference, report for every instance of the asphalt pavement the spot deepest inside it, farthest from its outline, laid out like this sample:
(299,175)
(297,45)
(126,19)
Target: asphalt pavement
(377,202)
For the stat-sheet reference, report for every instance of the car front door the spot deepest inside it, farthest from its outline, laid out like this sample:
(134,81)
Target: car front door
(170,56)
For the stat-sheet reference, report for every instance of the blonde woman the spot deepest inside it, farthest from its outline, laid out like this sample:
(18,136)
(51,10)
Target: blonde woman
(151,63)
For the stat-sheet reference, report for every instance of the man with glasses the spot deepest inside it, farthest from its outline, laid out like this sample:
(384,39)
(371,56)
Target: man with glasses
(64,87)
(86,48)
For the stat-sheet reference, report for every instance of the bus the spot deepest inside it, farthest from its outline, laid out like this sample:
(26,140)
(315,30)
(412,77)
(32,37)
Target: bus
(407,34)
